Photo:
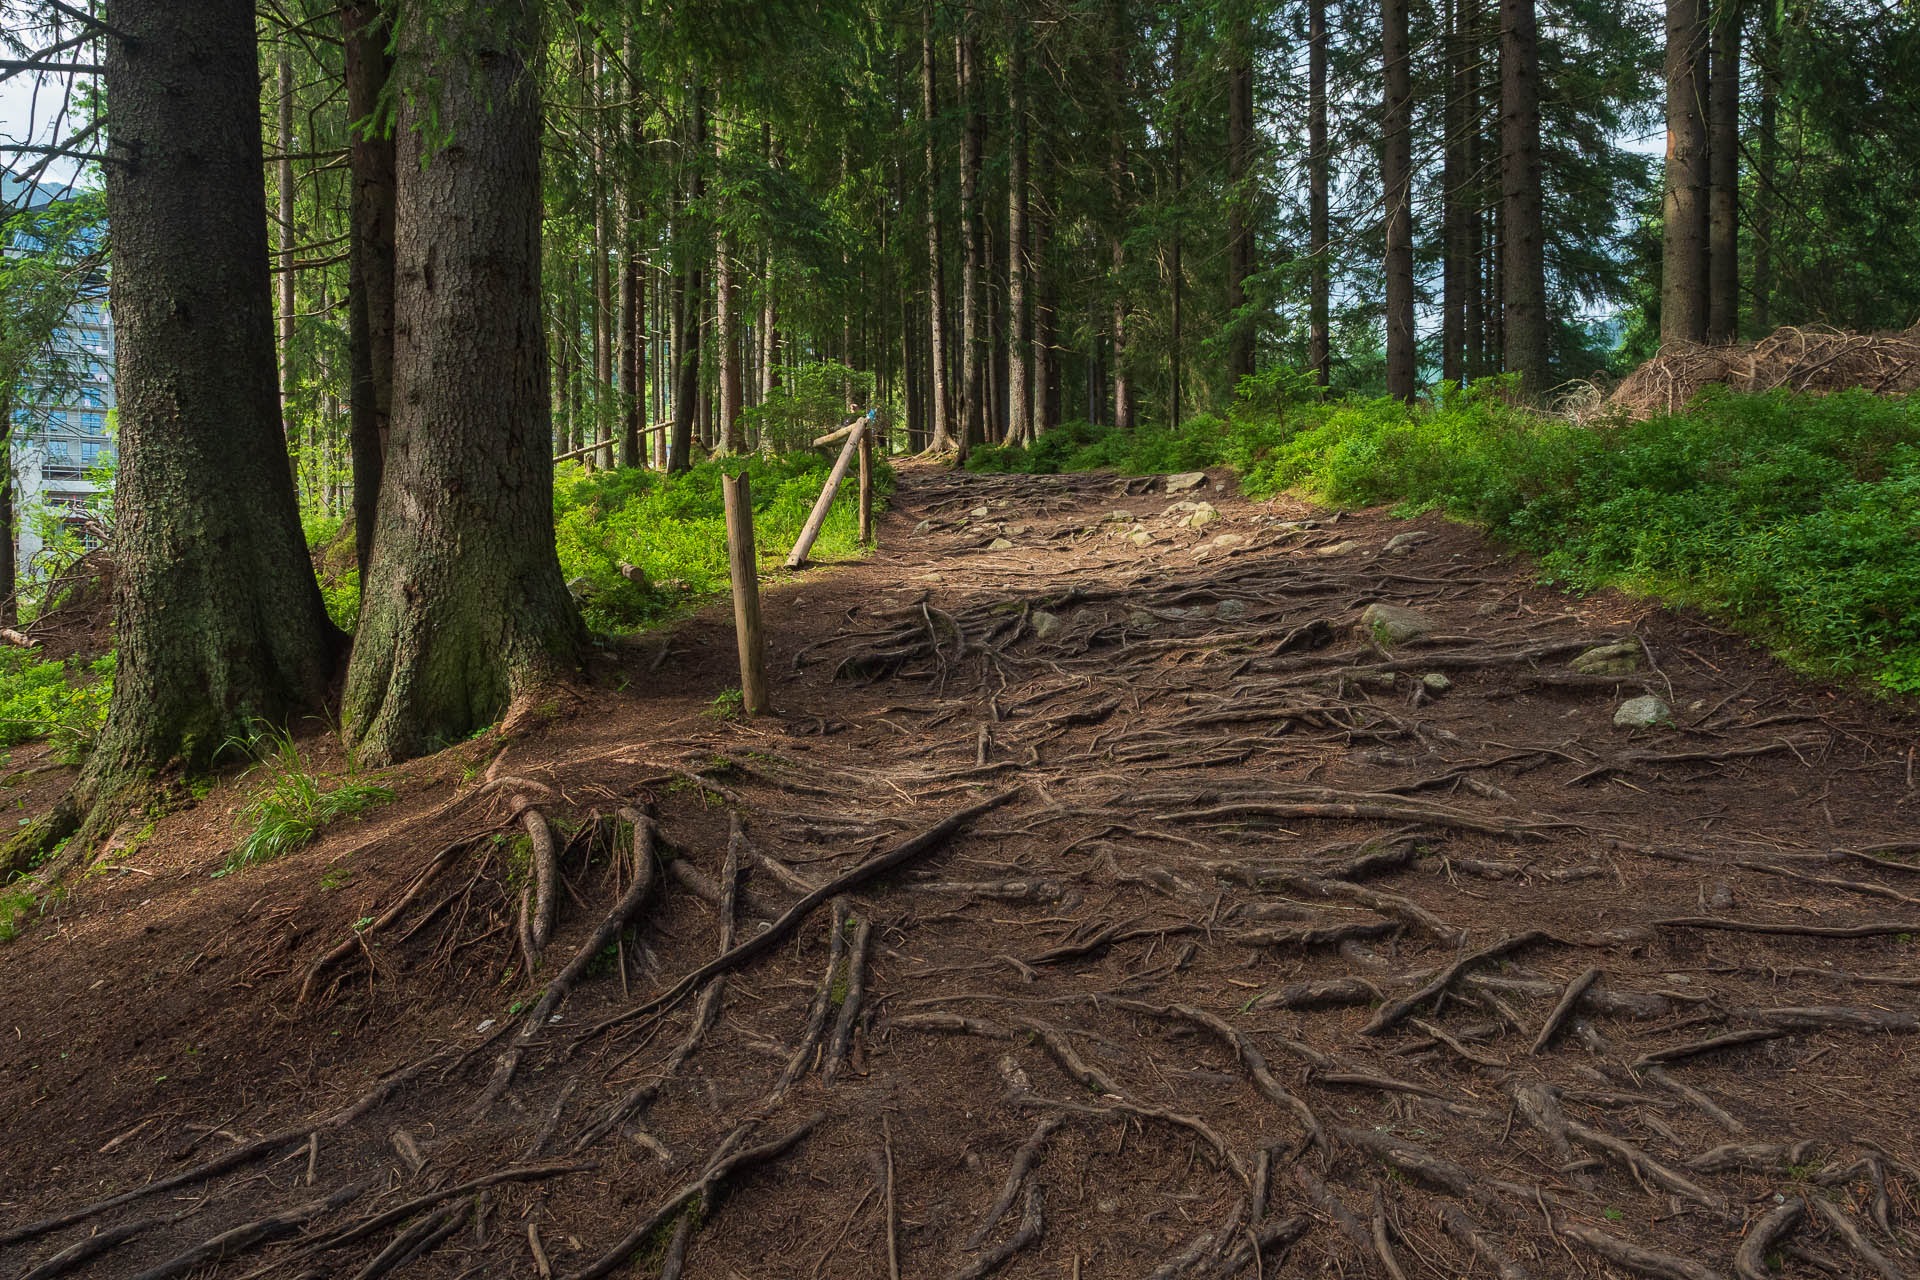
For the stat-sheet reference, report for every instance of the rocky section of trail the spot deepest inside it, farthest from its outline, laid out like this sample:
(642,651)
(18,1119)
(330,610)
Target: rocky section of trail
(1135,884)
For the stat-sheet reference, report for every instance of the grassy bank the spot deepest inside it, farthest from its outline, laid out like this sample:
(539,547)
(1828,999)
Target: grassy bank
(1795,517)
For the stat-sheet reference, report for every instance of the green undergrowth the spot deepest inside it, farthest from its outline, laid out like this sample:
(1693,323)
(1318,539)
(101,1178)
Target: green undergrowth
(293,803)
(639,546)
(1795,516)
(64,702)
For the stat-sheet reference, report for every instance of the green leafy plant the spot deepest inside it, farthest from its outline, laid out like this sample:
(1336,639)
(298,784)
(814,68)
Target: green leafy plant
(63,702)
(293,804)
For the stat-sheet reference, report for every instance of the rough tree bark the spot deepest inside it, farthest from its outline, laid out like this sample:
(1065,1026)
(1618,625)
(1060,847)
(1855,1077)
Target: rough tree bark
(1768,169)
(1396,175)
(1683,266)
(465,610)
(283,226)
(1524,244)
(217,613)
(688,306)
(1723,202)
(936,289)
(1456,265)
(363,25)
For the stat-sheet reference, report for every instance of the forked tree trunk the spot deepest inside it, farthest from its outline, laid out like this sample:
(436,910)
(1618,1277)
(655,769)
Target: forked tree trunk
(1396,179)
(217,613)
(370,294)
(1683,265)
(465,609)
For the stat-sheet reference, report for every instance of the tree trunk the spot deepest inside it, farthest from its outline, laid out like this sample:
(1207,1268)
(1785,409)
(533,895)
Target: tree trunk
(1683,265)
(1019,349)
(9,570)
(1318,239)
(1769,166)
(1456,266)
(726,301)
(1116,244)
(688,308)
(1723,226)
(1396,178)
(1176,277)
(1240,194)
(1046,368)
(1526,271)
(465,612)
(284,225)
(218,616)
(972,392)
(603,398)
(936,289)
(1473,322)
(370,294)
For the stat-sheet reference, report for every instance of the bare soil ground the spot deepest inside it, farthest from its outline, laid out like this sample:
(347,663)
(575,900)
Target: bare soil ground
(1090,909)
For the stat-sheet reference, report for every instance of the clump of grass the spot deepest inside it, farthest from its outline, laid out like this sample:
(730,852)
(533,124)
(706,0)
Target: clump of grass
(63,702)
(16,905)
(294,804)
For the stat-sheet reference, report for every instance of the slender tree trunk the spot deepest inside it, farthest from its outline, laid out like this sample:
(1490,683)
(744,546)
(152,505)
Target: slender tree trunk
(1455,265)
(1240,196)
(633,296)
(1116,244)
(1318,238)
(1473,322)
(1761,218)
(1019,348)
(364,33)
(603,397)
(1683,266)
(9,570)
(1526,270)
(1046,402)
(726,301)
(936,289)
(218,617)
(1396,176)
(689,308)
(1723,225)
(465,610)
(287,239)
(1176,275)
(972,389)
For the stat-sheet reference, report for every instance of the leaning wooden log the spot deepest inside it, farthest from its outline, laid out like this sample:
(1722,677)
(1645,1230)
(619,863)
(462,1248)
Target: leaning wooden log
(811,530)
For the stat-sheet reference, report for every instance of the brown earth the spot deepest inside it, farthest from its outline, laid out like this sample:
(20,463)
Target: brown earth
(1251,970)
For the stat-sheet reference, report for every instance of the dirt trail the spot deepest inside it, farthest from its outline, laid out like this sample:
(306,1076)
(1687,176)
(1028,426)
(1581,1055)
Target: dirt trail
(1106,902)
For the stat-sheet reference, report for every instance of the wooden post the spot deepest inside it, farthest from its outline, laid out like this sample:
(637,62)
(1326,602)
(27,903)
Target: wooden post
(744,568)
(804,544)
(866,488)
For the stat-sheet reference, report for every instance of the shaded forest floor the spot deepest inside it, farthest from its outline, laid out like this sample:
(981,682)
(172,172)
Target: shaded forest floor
(1204,936)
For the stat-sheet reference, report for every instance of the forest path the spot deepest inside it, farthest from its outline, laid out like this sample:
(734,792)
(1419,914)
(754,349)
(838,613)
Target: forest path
(1261,944)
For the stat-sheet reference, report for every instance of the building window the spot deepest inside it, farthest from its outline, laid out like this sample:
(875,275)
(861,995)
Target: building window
(93,421)
(59,453)
(57,418)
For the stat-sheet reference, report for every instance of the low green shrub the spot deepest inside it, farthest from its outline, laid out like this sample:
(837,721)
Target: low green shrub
(669,532)
(65,702)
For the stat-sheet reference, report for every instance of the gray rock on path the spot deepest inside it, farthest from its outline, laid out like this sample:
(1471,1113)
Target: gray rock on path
(1142,620)
(1619,659)
(1338,549)
(1047,625)
(999,544)
(1644,712)
(1401,543)
(1435,682)
(1203,515)
(1230,609)
(978,513)
(1139,537)
(924,527)
(1392,624)
(1119,516)
(1185,480)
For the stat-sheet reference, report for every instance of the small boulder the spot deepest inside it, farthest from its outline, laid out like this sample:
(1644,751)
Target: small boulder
(1141,620)
(1047,625)
(1118,516)
(1180,508)
(999,544)
(1139,537)
(1338,548)
(1619,659)
(1226,540)
(978,512)
(1185,480)
(1392,624)
(1400,543)
(1644,712)
(1203,515)
(1230,609)
(923,528)
(1435,682)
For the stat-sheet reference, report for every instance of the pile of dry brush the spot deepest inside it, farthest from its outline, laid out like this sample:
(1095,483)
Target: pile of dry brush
(1801,359)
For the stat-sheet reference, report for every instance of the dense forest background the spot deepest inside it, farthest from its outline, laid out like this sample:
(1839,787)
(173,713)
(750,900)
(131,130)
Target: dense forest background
(1197,190)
